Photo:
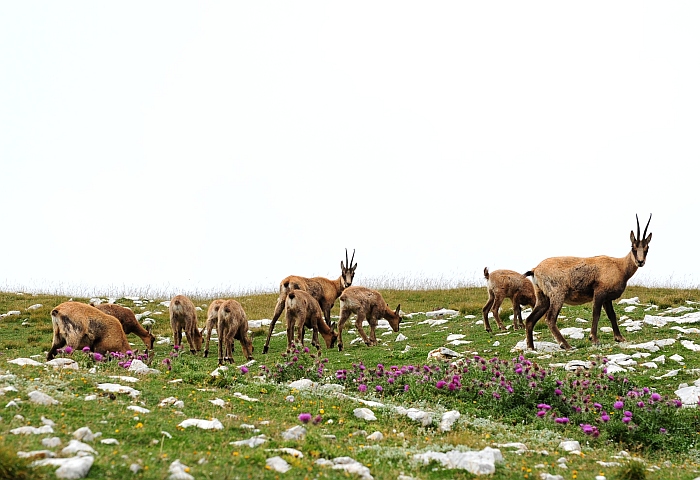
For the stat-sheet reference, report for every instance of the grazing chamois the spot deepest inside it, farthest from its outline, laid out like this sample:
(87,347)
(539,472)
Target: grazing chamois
(233,325)
(79,325)
(183,316)
(369,305)
(502,284)
(212,320)
(303,311)
(575,280)
(325,291)
(129,323)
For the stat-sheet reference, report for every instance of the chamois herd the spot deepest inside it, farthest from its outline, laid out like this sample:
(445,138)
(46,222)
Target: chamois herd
(307,303)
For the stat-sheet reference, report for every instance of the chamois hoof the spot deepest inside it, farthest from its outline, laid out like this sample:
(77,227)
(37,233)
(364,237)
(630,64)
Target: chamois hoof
(620,339)
(340,347)
(206,353)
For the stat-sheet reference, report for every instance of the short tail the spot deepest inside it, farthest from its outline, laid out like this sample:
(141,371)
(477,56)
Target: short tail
(486,273)
(529,273)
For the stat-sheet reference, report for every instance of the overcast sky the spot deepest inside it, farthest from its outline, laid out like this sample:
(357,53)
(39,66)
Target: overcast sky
(199,146)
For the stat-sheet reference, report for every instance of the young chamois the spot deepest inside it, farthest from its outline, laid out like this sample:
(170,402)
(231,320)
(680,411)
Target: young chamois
(129,323)
(502,284)
(233,325)
(325,291)
(368,305)
(575,280)
(79,325)
(212,320)
(183,316)
(303,311)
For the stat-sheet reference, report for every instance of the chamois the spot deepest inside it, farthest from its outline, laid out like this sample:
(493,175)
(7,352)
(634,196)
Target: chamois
(129,323)
(325,291)
(369,305)
(575,280)
(233,325)
(79,325)
(303,311)
(183,316)
(502,284)
(212,320)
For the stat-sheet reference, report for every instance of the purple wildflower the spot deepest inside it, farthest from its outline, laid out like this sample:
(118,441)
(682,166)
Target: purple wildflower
(98,357)
(68,350)
(561,420)
(441,384)
(544,406)
(86,349)
(304,417)
(244,369)
(406,388)
(655,397)
(379,388)
(362,387)
(317,419)
(619,405)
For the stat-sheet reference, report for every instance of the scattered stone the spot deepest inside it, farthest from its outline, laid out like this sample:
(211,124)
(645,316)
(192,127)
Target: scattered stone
(297,432)
(546,347)
(251,442)
(32,430)
(138,409)
(75,467)
(375,436)
(41,398)
(278,464)
(51,442)
(36,454)
(110,441)
(570,446)
(84,434)
(364,414)
(303,384)
(481,462)
(218,402)
(75,446)
(179,471)
(245,397)
(289,451)
(520,447)
(401,337)
(443,354)
(171,401)
(140,368)
(348,464)
(116,388)
(25,361)
(58,363)
(203,424)
(671,373)
(448,419)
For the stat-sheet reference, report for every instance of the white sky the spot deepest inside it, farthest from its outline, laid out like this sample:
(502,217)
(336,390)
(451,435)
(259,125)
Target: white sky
(196,146)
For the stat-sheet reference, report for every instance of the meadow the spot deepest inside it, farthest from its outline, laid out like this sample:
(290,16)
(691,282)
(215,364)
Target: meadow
(619,401)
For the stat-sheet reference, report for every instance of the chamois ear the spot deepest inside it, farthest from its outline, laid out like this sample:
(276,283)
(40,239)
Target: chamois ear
(398,310)
(342,266)
(647,239)
(333,325)
(632,238)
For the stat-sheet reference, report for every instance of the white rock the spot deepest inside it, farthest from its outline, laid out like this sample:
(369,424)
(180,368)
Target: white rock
(520,447)
(41,398)
(677,358)
(496,343)
(51,442)
(84,434)
(244,397)
(36,454)
(218,402)
(690,345)
(455,336)
(549,476)
(401,337)
(35,306)
(32,430)
(89,398)
(138,409)
(116,388)
(303,384)
(648,365)
(478,463)
(348,464)
(671,373)
(545,347)
(629,301)
(631,308)
(448,419)
(278,464)
(178,471)
(297,432)
(110,441)
(660,359)
(441,313)
(61,362)
(289,451)
(688,395)
(203,424)
(375,436)
(425,418)
(25,361)
(251,442)
(364,414)
(573,332)
(570,446)
(135,468)
(75,467)
(140,368)
(75,446)
(443,354)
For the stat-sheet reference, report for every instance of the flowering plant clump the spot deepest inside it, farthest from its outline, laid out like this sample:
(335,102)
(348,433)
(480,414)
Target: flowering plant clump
(86,355)
(297,364)
(592,403)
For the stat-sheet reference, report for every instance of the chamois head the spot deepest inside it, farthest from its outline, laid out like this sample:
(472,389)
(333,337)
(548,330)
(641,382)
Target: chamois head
(348,272)
(640,244)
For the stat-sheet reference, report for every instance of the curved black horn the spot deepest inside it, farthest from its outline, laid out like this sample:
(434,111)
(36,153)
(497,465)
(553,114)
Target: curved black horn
(351,259)
(347,265)
(637,217)
(645,228)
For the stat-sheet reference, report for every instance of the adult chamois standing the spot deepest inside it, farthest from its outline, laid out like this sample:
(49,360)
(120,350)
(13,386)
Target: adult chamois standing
(324,290)
(576,280)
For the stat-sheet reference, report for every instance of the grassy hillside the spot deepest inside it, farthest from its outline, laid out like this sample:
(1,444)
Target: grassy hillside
(495,389)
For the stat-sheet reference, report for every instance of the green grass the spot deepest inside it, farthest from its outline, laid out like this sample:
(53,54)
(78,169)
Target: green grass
(485,420)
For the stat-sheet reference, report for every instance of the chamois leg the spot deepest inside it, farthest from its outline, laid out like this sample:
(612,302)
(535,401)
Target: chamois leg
(314,337)
(278,311)
(300,333)
(495,309)
(358,325)
(597,304)
(552,314)
(290,333)
(58,342)
(327,314)
(517,314)
(208,328)
(610,312)
(344,315)
(486,310)
(222,341)
(540,309)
